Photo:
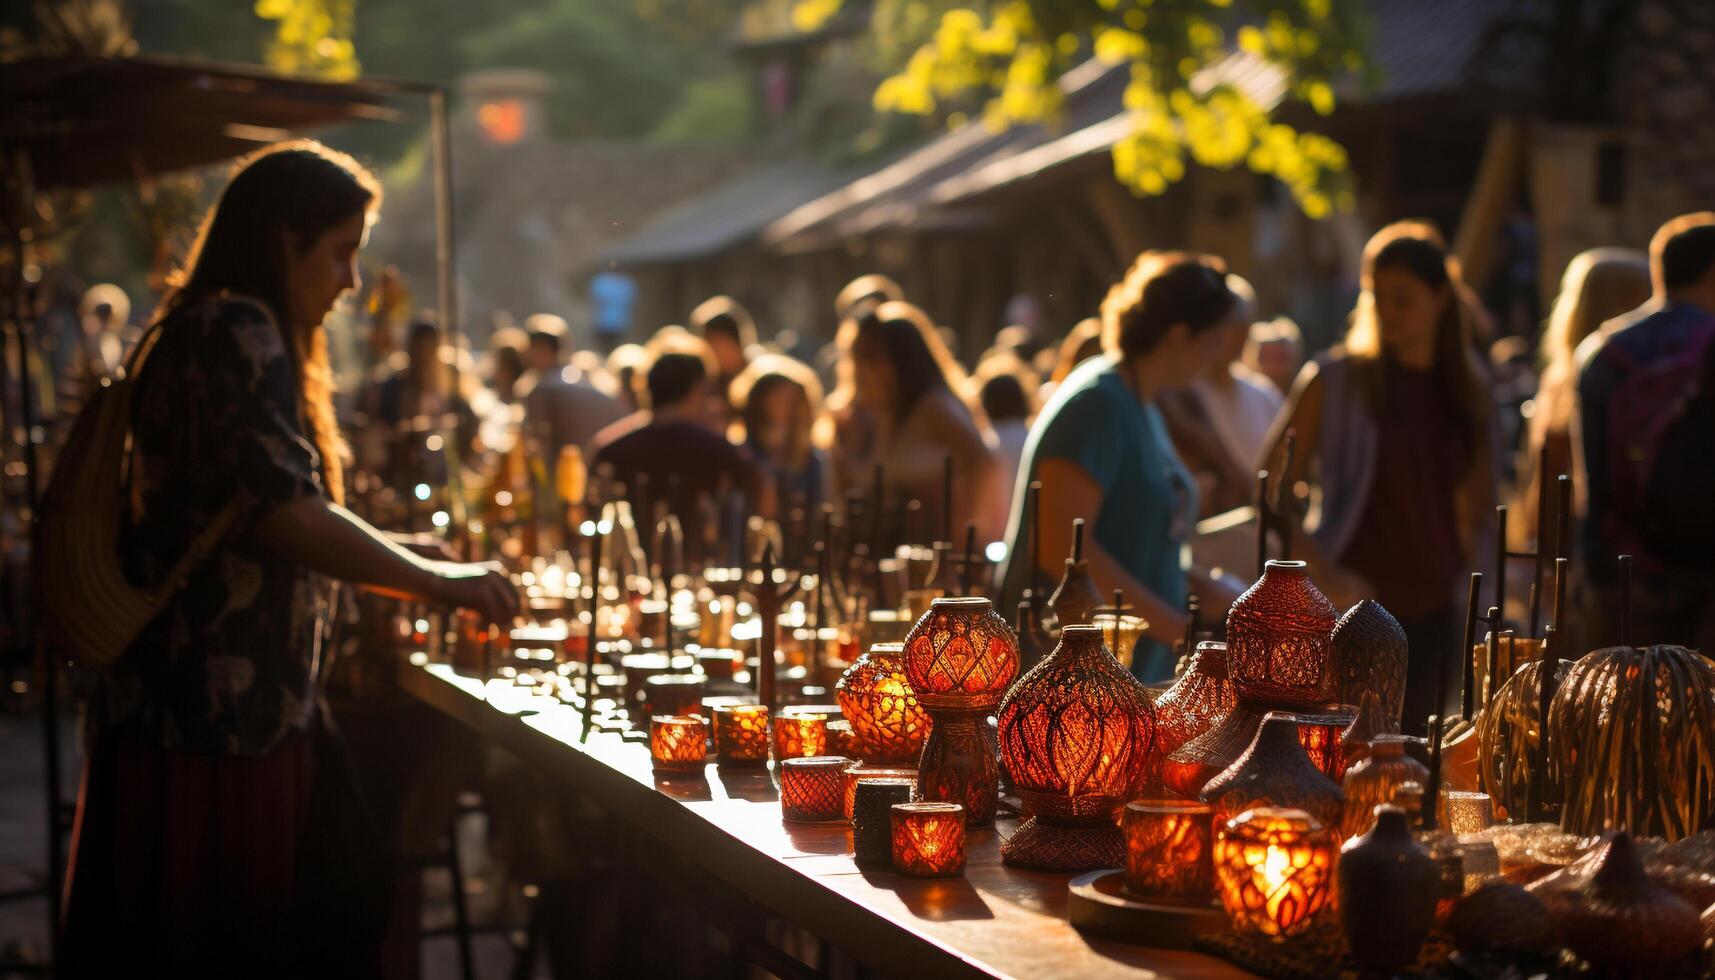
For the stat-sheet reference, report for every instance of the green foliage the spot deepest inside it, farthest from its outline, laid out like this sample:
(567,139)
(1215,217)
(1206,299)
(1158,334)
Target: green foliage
(1000,59)
(312,37)
(712,110)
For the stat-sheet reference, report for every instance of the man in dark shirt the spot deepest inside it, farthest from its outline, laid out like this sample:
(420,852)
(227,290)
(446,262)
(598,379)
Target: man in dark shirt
(673,440)
(1646,437)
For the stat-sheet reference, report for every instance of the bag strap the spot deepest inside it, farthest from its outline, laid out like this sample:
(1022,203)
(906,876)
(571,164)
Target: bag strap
(203,545)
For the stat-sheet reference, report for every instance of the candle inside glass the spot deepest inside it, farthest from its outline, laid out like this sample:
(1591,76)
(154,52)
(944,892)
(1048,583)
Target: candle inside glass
(1169,848)
(858,772)
(929,839)
(741,732)
(1275,870)
(1121,634)
(1466,812)
(812,789)
(800,734)
(678,743)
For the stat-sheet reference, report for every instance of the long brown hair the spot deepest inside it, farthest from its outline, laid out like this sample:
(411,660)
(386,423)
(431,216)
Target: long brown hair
(302,188)
(1416,247)
(749,392)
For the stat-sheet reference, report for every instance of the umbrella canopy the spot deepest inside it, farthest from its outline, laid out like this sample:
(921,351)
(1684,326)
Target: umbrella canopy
(84,121)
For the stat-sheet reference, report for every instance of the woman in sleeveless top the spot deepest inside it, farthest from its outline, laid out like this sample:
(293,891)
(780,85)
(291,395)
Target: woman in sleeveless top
(1395,428)
(214,832)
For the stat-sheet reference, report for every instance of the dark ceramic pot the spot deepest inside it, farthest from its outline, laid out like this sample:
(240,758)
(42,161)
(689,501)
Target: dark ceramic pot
(1388,889)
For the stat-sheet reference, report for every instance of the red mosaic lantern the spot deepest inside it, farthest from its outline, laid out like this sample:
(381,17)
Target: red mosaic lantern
(1321,734)
(741,733)
(876,698)
(929,839)
(799,734)
(1278,640)
(1196,702)
(1275,869)
(1075,733)
(812,789)
(678,743)
(960,658)
(1169,847)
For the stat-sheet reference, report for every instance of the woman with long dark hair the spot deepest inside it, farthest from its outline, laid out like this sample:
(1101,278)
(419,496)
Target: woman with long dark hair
(897,405)
(1396,427)
(218,832)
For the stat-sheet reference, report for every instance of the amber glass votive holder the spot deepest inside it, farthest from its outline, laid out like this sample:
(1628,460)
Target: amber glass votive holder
(858,772)
(741,733)
(678,743)
(1169,848)
(1465,811)
(1275,870)
(813,788)
(799,734)
(929,839)
(872,819)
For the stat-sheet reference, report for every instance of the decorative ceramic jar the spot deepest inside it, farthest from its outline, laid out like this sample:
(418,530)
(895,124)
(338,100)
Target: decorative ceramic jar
(960,659)
(1277,640)
(876,699)
(1076,734)
(1388,889)
(1199,698)
(1368,648)
(1376,780)
(1187,769)
(1274,868)
(812,788)
(1274,772)
(1621,922)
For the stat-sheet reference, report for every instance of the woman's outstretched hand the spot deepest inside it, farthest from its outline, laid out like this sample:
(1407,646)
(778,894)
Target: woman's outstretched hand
(482,588)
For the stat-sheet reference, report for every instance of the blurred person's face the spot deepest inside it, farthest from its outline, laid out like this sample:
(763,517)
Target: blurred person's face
(873,374)
(319,273)
(728,354)
(1186,356)
(543,357)
(424,350)
(781,407)
(1278,362)
(1407,310)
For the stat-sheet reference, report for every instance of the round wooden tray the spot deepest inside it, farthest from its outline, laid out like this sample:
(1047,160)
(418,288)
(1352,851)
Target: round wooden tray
(1099,904)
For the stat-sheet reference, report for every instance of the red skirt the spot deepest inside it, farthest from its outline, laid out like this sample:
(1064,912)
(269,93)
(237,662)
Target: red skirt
(183,864)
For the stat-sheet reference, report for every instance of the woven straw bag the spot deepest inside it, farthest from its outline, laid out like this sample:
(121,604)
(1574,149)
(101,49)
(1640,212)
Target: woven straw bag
(89,608)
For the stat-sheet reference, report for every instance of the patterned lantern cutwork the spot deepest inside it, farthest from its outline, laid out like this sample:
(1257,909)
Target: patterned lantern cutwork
(1320,733)
(960,655)
(678,743)
(1377,780)
(1075,733)
(812,789)
(1507,746)
(1632,734)
(1274,771)
(1275,869)
(859,772)
(1169,847)
(1196,702)
(1465,812)
(960,658)
(1277,639)
(1369,655)
(876,699)
(929,839)
(741,733)
(798,734)
(1187,769)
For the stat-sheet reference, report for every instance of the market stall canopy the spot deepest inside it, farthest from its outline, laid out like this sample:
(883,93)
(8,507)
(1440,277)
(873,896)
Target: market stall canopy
(84,121)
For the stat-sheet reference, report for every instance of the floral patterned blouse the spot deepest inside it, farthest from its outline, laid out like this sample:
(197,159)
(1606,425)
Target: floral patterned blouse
(230,665)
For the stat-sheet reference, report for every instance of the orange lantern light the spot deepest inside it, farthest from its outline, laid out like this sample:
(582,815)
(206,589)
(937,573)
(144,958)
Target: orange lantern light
(859,772)
(929,839)
(1169,849)
(1275,870)
(1320,732)
(876,698)
(1277,639)
(841,739)
(960,658)
(799,734)
(1075,733)
(812,789)
(678,743)
(741,733)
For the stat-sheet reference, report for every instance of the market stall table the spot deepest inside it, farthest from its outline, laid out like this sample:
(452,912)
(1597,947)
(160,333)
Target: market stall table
(993,921)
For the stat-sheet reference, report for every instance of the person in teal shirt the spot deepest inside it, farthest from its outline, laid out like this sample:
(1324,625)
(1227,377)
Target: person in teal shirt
(1101,451)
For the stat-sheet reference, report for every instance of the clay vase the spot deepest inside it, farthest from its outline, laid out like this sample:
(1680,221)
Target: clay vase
(1275,771)
(876,698)
(1199,698)
(1277,640)
(1375,780)
(1388,889)
(1075,734)
(1076,598)
(1369,654)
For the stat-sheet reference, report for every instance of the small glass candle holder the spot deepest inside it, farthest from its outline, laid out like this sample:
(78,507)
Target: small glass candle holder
(929,839)
(1465,812)
(678,743)
(741,733)
(872,819)
(673,694)
(1169,846)
(798,734)
(841,739)
(1121,634)
(812,788)
(858,772)
(1275,870)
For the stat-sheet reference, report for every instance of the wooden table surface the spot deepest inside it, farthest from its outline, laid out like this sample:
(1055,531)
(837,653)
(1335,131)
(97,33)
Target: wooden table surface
(995,921)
